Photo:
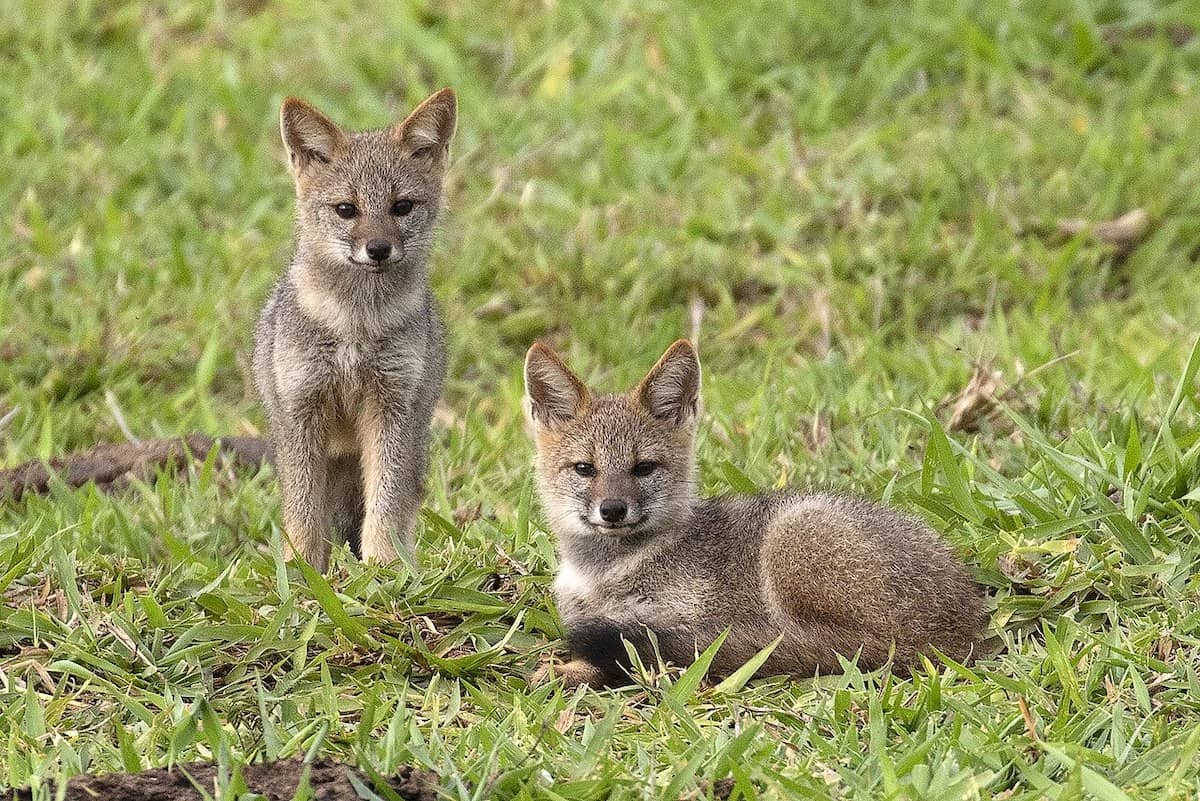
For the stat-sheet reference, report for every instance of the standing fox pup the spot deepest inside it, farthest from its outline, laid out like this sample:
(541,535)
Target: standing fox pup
(349,352)
(639,550)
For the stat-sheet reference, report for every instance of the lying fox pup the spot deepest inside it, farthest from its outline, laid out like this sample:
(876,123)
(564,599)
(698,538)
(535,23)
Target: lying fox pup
(640,551)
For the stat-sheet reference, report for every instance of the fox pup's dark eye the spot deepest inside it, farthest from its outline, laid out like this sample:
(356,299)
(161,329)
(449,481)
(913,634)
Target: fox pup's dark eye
(643,469)
(345,210)
(402,208)
(585,469)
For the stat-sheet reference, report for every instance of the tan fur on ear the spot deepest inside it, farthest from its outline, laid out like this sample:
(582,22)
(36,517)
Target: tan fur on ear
(431,125)
(671,390)
(308,135)
(553,393)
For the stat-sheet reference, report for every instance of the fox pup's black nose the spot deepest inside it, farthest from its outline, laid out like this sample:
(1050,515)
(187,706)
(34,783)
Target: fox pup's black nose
(613,510)
(379,249)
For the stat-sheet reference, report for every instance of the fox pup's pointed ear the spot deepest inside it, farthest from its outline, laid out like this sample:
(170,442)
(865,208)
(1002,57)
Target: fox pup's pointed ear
(553,393)
(308,134)
(426,133)
(671,390)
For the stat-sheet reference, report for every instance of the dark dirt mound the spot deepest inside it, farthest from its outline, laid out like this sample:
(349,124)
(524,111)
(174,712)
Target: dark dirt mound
(276,781)
(112,467)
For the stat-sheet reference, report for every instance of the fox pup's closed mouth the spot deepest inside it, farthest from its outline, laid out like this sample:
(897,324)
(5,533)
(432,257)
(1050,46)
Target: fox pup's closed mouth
(371,267)
(376,267)
(612,528)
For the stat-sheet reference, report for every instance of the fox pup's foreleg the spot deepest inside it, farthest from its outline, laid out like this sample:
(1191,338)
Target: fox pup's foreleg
(574,673)
(303,468)
(393,467)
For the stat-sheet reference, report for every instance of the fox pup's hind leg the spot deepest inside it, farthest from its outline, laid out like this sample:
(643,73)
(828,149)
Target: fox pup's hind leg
(346,500)
(823,584)
(393,468)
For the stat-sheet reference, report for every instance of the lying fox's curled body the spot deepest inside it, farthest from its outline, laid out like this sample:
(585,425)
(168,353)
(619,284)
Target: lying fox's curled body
(640,552)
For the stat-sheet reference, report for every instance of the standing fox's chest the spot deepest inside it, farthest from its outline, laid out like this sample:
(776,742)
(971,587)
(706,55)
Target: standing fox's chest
(350,378)
(349,384)
(351,360)
(354,364)
(347,371)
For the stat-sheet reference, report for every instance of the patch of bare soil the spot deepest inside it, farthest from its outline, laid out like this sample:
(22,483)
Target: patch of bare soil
(112,467)
(276,781)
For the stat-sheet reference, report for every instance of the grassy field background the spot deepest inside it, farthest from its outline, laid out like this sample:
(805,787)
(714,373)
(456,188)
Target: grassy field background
(863,195)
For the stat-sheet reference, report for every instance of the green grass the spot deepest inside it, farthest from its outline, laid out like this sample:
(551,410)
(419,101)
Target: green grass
(860,193)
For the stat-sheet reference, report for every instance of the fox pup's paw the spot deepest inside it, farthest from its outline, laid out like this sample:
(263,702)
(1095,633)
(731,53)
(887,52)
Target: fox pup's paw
(572,674)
